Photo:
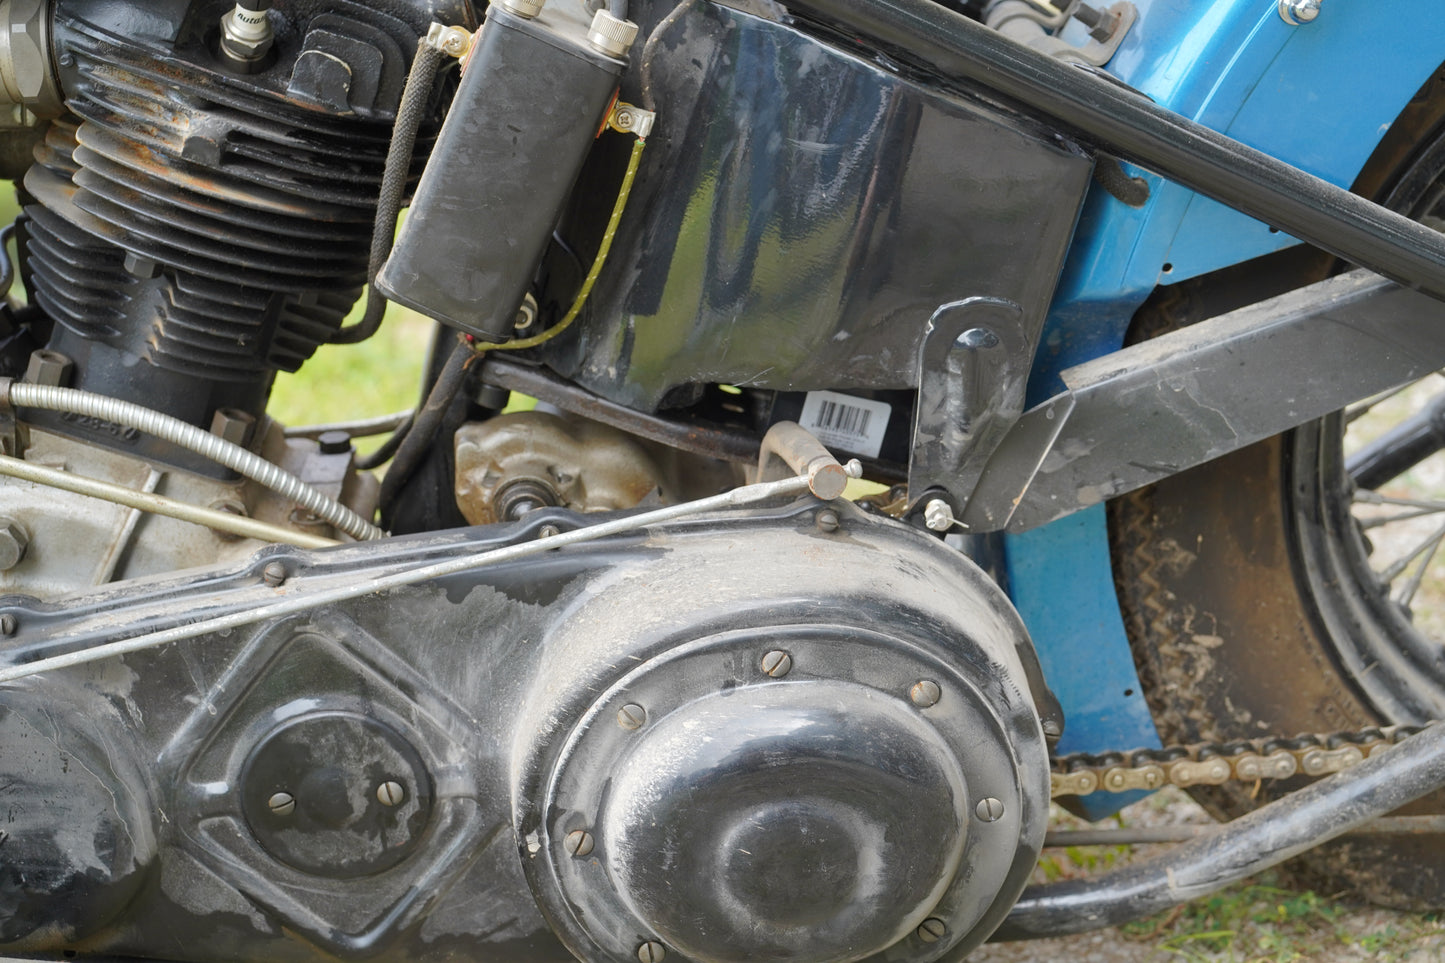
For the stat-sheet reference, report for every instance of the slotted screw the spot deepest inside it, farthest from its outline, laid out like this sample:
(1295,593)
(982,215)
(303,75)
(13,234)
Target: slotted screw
(282,803)
(989,809)
(578,843)
(777,663)
(932,929)
(390,793)
(631,716)
(651,952)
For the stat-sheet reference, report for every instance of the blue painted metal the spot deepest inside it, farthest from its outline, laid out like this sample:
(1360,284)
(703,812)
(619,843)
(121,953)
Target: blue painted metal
(1095,683)
(1319,96)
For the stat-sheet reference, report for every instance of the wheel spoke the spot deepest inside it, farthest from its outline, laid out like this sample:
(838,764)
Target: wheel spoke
(1363,408)
(1377,521)
(1399,565)
(1367,497)
(1412,584)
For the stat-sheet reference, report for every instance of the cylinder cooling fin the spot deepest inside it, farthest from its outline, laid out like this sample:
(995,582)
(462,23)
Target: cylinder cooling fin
(211,221)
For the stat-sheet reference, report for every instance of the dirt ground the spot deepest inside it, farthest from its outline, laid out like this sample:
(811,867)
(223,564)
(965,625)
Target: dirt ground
(1263,920)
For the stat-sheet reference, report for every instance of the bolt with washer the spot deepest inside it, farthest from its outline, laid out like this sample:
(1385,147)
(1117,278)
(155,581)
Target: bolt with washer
(938,515)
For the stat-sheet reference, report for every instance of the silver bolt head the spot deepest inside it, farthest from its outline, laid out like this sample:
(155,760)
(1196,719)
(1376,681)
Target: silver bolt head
(777,663)
(937,515)
(390,793)
(610,35)
(1296,12)
(282,803)
(651,952)
(989,809)
(925,693)
(578,843)
(932,930)
(827,520)
(548,531)
(13,542)
(631,716)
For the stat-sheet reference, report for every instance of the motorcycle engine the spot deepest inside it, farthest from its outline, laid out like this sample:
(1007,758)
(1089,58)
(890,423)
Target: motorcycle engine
(783,733)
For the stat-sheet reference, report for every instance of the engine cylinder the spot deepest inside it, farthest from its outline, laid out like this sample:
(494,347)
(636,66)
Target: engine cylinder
(213,225)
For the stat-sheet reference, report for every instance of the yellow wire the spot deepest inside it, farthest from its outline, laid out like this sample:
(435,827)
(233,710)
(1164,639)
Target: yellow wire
(597,263)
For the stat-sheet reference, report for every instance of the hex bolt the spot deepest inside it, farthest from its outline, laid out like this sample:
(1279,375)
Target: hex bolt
(282,803)
(827,520)
(989,809)
(651,952)
(777,663)
(274,573)
(631,716)
(932,930)
(390,793)
(13,542)
(333,442)
(578,843)
(49,368)
(7,624)
(925,693)
(233,425)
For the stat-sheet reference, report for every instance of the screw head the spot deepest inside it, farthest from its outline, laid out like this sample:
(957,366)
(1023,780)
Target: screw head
(1295,12)
(631,716)
(932,930)
(282,803)
(651,952)
(925,693)
(1052,729)
(578,843)
(7,624)
(827,520)
(390,793)
(989,809)
(274,573)
(777,663)
(548,531)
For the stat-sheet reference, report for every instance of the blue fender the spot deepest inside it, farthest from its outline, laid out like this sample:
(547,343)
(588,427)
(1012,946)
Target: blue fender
(1320,96)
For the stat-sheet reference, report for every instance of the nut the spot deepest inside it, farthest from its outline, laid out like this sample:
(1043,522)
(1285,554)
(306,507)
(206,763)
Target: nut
(938,515)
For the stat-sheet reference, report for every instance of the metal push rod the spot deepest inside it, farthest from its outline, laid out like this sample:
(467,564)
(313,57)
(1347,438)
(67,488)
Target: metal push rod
(1117,119)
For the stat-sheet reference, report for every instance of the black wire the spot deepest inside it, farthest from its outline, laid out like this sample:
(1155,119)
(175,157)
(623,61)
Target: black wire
(415,98)
(413,446)
(388,448)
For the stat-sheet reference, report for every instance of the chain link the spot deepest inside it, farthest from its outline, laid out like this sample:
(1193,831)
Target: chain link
(1215,763)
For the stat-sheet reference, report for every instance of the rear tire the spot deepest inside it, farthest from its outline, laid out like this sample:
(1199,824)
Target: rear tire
(1243,583)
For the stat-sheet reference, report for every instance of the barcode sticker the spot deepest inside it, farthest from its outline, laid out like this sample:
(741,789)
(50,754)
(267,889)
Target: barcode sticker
(855,425)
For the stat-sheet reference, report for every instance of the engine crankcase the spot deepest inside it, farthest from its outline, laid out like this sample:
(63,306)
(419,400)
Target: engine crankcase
(727,739)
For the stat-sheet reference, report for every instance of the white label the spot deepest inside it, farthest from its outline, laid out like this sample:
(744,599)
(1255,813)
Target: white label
(855,425)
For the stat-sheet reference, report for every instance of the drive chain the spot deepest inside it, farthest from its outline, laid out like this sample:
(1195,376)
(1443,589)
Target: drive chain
(1215,763)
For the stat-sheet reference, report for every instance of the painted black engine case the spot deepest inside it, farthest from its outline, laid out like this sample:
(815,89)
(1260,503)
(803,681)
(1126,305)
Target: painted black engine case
(803,209)
(413,774)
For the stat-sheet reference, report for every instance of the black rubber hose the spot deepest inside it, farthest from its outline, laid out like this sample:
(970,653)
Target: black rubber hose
(388,448)
(415,443)
(618,8)
(415,97)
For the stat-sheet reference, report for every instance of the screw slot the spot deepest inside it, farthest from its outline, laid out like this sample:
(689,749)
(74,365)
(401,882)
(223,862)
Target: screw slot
(651,952)
(282,803)
(578,843)
(989,809)
(932,930)
(390,793)
(777,663)
(631,716)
